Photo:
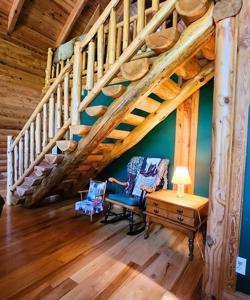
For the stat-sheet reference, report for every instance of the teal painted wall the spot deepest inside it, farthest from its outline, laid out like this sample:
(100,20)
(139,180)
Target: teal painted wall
(243,282)
(160,142)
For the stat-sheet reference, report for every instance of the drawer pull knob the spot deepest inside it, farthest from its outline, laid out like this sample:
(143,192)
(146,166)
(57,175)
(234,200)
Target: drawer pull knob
(156,211)
(180,211)
(180,219)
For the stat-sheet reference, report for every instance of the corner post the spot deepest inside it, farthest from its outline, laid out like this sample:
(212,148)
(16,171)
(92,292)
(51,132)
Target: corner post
(48,67)
(10,170)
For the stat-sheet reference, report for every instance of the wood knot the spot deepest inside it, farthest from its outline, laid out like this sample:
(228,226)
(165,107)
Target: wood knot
(226,100)
(210,241)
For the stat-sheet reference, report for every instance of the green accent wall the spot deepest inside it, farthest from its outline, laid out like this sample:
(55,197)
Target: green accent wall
(243,282)
(160,142)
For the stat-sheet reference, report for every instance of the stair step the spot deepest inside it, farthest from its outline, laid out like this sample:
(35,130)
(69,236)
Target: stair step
(43,169)
(83,167)
(149,105)
(167,90)
(163,40)
(103,148)
(66,145)
(53,159)
(96,111)
(23,190)
(82,130)
(191,11)
(114,91)
(33,180)
(135,69)
(93,158)
(133,119)
(190,69)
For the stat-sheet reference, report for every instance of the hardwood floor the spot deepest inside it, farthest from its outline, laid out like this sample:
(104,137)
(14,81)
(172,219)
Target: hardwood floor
(49,253)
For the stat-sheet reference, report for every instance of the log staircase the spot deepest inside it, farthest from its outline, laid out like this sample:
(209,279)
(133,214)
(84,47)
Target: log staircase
(148,50)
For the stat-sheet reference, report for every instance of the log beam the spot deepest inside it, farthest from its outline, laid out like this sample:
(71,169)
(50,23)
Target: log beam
(72,18)
(14,14)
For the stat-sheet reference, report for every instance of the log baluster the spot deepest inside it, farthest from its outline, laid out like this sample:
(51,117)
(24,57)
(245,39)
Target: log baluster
(84,54)
(90,69)
(58,108)
(134,29)
(32,142)
(26,149)
(66,100)
(126,23)
(16,162)
(119,42)
(112,36)
(48,71)
(20,161)
(45,125)
(57,69)
(155,5)
(51,116)
(100,51)
(140,15)
(53,71)
(10,173)
(38,134)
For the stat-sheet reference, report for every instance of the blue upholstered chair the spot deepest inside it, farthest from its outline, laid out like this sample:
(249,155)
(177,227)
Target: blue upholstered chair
(93,203)
(145,175)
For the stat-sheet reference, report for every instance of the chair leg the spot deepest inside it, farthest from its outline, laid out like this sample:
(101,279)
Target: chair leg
(131,222)
(91,218)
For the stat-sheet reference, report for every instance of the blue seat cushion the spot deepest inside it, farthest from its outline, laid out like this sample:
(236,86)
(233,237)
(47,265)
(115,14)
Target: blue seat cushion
(129,200)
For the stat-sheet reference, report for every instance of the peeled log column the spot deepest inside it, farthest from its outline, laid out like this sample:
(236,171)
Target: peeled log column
(136,69)
(192,10)
(189,70)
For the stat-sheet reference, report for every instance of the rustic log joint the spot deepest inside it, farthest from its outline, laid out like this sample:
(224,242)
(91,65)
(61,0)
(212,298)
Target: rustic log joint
(226,8)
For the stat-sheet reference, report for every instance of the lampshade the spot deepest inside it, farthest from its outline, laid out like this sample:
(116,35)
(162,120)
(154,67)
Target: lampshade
(181,176)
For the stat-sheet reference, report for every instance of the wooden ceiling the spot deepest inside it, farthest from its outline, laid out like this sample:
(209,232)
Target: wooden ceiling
(40,24)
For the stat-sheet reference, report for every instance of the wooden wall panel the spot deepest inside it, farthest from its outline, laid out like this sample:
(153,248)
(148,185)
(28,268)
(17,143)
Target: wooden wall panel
(186,136)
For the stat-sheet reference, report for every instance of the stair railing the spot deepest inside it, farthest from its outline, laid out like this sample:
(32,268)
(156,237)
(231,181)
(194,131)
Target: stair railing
(51,120)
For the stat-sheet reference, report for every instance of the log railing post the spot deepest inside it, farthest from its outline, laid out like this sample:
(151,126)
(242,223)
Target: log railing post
(51,116)
(58,108)
(20,162)
(140,15)
(155,5)
(66,100)
(26,149)
(45,125)
(38,134)
(90,68)
(10,171)
(32,142)
(100,51)
(48,71)
(126,21)
(16,162)
(112,38)
(77,85)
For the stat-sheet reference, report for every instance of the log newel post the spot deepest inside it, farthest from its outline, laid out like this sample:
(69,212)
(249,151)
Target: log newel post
(10,173)
(223,126)
(77,85)
(49,67)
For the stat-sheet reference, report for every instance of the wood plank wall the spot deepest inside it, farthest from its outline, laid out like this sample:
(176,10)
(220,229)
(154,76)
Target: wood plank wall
(21,82)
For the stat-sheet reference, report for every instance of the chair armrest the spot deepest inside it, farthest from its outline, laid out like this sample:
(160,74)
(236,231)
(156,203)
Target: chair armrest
(83,191)
(112,179)
(146,189)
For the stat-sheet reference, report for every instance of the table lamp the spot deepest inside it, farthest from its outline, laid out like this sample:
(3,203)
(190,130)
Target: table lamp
(181,177)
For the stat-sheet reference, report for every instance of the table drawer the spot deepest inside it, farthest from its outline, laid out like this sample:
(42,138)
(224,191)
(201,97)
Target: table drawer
(157,211)
(181,219)
(171,208)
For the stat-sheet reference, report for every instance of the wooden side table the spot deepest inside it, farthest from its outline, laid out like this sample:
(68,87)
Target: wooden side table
(187,214)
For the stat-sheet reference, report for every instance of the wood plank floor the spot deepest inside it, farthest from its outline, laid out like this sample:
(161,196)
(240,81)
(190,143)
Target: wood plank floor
(49,253)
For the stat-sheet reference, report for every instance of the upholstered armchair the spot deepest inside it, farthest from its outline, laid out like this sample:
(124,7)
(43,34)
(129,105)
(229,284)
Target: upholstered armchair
(145,175)
(93,202)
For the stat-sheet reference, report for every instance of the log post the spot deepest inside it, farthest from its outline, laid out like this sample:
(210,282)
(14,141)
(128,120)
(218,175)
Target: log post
(26,150)
(223,118)
(90,68)
(10,171)
(119,42)
(58,108)
(51,116)
(32,142)
(126,29)
(16,162)
(66,100)
(20,161)
(48,67)
(100,51)
(112,36)
(140,15)
(155,5)
(45,125)
(38,134)
(77,85)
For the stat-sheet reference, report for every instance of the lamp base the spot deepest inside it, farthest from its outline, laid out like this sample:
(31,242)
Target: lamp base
(180,191)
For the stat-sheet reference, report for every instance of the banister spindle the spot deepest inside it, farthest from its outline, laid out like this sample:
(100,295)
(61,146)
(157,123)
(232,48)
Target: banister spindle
(48,67)
(57,69)
(119,42)
(32,142)
(26,149)
(66,100)
(20,162)
(16,162)
(100,51)
(84,54)
(90,70)
(38,134)
(141,15)
(112,38)
(58,108)
(45,125)
(51,116)
(126,21)
(10,172)
(155,5)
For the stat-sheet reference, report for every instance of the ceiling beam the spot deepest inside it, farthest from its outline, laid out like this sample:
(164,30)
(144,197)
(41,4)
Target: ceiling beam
(72,18)
(14,14)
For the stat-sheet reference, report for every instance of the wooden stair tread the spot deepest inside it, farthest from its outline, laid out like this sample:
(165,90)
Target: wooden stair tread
(135,69)
(53,159)
(33,180)
(114,91)
(43,169)
(167,90)
(192,10)
(190,69)
(149,105)
(96,111)
(163,40)
(23,190)
(66,145)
